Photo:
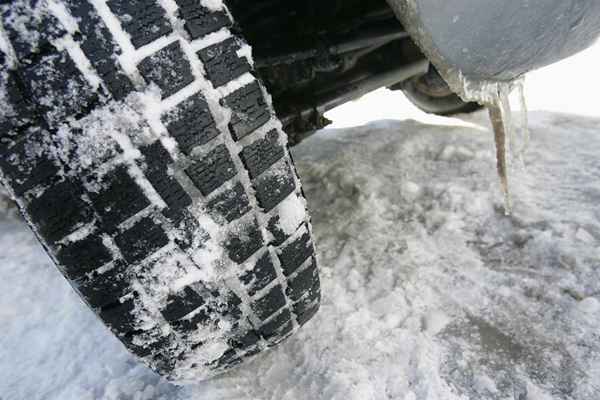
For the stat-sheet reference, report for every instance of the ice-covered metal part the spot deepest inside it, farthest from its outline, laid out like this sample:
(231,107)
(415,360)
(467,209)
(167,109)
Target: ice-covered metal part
(484,48)
(499,40)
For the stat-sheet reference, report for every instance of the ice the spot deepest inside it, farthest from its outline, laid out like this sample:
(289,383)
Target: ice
(429,291)
(500,117)
(511,131)
(523,121)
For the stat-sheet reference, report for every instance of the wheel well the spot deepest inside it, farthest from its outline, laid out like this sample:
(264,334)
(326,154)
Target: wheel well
(314,54)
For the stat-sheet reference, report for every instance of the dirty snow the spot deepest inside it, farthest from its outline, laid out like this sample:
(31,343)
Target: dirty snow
(429,290)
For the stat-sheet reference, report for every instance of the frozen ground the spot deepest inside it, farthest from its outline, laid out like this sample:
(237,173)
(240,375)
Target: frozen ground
(430,292)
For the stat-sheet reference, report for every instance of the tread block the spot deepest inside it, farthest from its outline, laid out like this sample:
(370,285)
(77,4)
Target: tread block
(27,177)
(30,28)
(18,111)
(156,156)
(144,20)
(274,186)
(244,242)
(246,341)
(83,256)
(25,168)
(182,304)
(313,298)
(119,317)
(118,84)
(59,211)
(157,160)
(274,227)
(150,345)
(169,189)
(259,277)
(199,20)
(222,63)
(190,324)
(231,204)
(294,254)
(168,68)
(96,42)
(119,199)
(263,153)
(212,170)
(278,326)
(303,282)
(269,303)
(228,359)
(308,307)
(59,88)
(191,123)
(306,315)
(249,110)
(102,289)
(99,47)
(141,240)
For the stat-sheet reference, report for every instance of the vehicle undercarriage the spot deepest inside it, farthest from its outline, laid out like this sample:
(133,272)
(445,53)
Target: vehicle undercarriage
(316,55)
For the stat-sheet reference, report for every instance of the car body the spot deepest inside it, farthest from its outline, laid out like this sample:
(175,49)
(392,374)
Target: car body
(499,40)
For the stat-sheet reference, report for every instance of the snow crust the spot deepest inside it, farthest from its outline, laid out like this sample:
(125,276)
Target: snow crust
(429,290)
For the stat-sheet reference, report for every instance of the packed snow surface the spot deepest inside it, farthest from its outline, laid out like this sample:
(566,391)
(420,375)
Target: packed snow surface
(429,290)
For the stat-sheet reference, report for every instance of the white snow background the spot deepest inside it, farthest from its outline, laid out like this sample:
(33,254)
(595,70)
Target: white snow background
(429,290)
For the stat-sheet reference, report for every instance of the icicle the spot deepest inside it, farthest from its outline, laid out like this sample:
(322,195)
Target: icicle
(524,120)
(503,101)
(501,125)
(509,130)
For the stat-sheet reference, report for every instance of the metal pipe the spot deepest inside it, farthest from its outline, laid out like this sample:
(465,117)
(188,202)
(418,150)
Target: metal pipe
(366,39)
(336,97)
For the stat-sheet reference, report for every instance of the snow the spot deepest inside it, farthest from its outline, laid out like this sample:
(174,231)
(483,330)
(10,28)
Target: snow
(213,5)
(429,290)
(291,214)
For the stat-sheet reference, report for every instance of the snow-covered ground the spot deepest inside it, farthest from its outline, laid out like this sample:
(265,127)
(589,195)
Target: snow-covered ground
(429,290)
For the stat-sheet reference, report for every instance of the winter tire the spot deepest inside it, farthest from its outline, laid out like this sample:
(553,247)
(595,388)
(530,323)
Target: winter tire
(146,156)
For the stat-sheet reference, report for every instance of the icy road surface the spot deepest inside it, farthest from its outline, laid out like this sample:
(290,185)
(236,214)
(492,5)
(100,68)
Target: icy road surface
(430,292)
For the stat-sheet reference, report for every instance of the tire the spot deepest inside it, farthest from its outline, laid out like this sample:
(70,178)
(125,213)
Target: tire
(148,160)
